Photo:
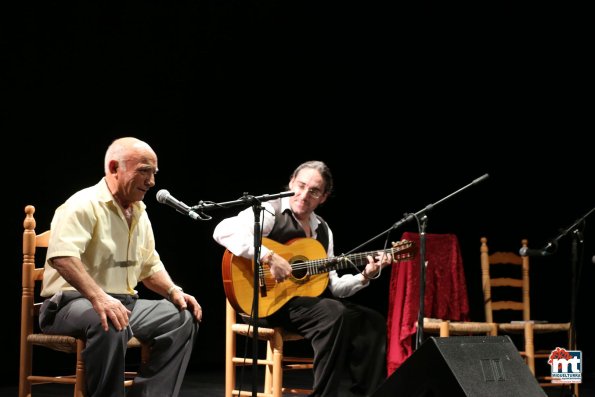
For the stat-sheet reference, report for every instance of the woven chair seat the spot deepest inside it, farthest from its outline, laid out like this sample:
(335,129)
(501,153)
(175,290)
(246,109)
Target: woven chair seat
(519,327)
(66,344)
(62,343)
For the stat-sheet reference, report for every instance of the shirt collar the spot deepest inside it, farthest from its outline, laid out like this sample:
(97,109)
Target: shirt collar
(104,194)
(314,221)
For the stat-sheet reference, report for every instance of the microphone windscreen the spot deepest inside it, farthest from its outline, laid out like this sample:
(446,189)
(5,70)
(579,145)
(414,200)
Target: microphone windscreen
(162,196)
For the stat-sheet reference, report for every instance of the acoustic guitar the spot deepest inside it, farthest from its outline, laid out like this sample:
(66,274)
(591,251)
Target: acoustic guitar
(309,263)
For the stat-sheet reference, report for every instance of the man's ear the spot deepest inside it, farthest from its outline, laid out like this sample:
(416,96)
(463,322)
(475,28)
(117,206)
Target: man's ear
(113,166)
(323,198)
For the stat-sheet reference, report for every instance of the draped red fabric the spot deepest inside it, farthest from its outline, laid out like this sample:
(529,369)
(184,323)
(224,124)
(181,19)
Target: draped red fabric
(445,293)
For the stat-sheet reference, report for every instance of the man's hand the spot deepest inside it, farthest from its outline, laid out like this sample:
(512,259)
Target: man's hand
(110,308)
(376,264)
(185,301)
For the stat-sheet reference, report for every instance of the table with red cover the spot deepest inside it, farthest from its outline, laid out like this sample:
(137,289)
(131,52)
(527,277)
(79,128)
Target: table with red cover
(445,293)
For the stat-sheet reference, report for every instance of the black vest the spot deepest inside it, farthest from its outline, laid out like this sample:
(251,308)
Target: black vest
(287,228)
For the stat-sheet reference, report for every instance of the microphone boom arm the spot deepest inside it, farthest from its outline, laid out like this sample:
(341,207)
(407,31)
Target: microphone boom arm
(246,199)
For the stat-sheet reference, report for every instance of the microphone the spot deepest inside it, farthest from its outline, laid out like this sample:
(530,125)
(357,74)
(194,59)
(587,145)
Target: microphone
(480,179)
(164,197)
(545,251)
(532,252)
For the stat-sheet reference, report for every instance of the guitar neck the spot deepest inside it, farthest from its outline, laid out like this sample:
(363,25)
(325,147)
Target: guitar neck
(325,265)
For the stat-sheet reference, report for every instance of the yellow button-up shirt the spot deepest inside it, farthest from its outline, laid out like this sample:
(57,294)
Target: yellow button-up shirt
(90,226)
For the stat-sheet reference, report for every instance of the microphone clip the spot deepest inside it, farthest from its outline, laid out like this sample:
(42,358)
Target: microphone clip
(549,249)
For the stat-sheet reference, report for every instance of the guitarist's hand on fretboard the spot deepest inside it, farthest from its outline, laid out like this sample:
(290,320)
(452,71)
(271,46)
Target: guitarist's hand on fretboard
(376,264)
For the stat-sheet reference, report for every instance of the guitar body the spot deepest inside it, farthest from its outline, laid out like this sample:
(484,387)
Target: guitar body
(238,277)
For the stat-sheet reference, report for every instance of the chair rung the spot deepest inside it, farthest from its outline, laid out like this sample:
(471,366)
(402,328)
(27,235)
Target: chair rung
(70,380)
(297,359)
(248,393)
(549,384)
(542,355)
(248,361)
(130,375)
(292,390)
(297,366)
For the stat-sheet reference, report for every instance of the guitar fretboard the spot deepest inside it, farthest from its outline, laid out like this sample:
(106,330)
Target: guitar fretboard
(318,266)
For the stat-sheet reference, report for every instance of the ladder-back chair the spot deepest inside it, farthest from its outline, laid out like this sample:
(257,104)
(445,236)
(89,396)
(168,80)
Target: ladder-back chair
(275,361)
(31,336)
(505,282)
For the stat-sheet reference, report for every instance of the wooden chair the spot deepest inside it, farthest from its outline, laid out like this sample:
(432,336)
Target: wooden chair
(444,248)
(31,336)
(276,362)
(505,281)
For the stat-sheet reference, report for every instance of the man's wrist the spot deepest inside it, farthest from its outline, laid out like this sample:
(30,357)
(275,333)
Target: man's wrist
(172,289)
(366,276)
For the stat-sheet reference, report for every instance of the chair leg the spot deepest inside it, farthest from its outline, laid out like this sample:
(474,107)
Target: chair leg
(145,354)
(444,328)
(25,369)
(529,346)
(269,371)
(79,386)
(494,329)
(230,368)
(277,352)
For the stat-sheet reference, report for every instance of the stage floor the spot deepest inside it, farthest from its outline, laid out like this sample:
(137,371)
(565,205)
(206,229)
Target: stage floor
(209,383)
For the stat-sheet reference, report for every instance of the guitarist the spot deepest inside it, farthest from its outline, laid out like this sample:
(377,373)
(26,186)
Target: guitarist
(347,339)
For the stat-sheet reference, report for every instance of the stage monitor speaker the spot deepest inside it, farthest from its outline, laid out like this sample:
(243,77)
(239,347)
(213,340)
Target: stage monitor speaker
(469,366)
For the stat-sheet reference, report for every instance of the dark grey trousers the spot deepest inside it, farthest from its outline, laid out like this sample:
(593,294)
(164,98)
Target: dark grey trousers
(169,333)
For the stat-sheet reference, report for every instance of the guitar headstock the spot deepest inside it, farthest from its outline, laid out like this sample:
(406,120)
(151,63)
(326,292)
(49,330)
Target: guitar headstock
(404,249)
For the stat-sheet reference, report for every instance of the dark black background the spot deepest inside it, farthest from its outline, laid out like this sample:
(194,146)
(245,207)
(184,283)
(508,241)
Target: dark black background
(406,104)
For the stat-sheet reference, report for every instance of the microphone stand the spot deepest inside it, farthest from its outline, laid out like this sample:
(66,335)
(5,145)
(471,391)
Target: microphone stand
(258,283)
(421,215)
(577,237)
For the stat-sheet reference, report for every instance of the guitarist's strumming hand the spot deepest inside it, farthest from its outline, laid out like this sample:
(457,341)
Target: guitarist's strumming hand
(375,265)
(279,267)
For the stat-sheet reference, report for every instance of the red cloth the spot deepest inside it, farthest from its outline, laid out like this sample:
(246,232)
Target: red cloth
(445,293)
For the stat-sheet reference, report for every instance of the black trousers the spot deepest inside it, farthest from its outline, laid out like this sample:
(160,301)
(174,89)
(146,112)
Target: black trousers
(349,341)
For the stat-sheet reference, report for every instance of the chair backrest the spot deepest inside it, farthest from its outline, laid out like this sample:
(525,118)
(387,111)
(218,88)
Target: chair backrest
(505,282)
(31,274)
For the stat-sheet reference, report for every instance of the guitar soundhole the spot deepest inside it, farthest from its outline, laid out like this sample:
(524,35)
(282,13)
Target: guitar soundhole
(299,272)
